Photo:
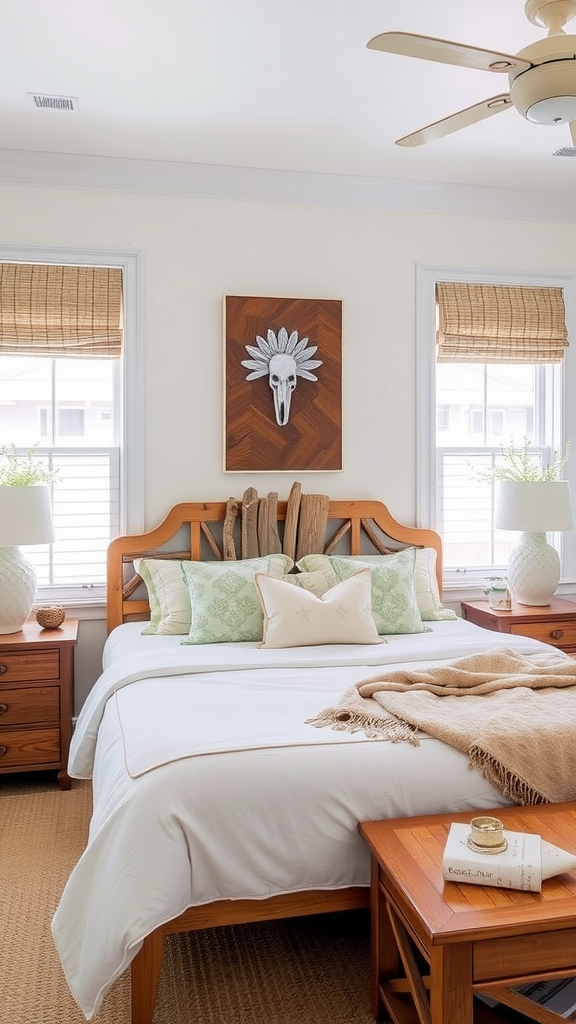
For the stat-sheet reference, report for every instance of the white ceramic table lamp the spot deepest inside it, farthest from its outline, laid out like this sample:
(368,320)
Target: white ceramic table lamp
(25,518)
(536,508)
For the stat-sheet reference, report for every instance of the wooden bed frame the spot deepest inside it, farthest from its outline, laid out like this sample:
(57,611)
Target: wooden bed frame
(348,527)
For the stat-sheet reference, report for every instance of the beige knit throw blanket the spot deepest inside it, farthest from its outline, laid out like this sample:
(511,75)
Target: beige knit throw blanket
(513,715)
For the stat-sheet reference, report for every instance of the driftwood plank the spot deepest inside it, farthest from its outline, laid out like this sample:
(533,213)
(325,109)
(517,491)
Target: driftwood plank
(291,523)
(211,540)
(131,586)
(250,523)
(312,524)
(228,546)
(268,537)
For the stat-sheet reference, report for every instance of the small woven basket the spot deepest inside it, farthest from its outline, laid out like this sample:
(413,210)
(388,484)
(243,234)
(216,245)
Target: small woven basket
(50,617)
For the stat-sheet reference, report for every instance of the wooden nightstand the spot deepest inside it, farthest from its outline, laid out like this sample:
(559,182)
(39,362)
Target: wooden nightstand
(554,623)
(436,943)
(36,698)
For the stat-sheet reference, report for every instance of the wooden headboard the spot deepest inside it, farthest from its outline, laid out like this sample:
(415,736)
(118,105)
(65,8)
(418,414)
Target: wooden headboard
(217,530)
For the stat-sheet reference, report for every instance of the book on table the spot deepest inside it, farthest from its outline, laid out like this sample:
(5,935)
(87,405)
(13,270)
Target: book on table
(519,866)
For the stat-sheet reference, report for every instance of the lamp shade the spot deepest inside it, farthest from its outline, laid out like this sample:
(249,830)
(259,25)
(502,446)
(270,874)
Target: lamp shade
(534,506)
(25,518)
(25,515)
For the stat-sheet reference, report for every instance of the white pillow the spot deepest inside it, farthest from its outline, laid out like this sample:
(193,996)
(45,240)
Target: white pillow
(168,595)
(297,618)
(426,587)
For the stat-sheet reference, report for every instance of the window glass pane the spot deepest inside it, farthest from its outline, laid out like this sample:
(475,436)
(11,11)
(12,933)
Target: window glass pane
(84,389)
(466,511)
(490,408)
(64,409)
(25,390)
(70,422)
(497,397)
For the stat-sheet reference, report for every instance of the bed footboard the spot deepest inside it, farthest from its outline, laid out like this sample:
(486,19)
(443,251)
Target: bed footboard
(147,964)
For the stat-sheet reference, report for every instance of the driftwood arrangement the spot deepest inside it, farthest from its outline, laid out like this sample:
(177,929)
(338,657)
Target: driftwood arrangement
(250,529)
(304,527)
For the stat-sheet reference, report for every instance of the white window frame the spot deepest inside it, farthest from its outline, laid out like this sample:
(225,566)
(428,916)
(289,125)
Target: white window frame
(427,276)
(129,394)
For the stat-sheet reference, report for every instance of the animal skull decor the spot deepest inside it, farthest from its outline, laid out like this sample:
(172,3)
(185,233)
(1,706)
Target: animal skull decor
(283,359)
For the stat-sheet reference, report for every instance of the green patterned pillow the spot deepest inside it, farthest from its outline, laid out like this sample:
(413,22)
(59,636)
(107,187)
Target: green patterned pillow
(317,583)
(394,604)
(425,582)
(223,599)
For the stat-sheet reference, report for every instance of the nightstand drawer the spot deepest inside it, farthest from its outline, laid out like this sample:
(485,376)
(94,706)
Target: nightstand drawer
(558,632)
(18,706)
(29,747)
(16,666)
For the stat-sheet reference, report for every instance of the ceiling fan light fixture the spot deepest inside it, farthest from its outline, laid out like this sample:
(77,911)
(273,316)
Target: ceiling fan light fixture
(556,110)
(546,94)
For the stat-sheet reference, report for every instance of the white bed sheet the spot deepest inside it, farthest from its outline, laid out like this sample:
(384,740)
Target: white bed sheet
(275,814)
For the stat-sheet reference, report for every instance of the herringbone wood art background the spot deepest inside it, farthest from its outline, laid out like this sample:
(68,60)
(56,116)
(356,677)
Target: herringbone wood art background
(312,438)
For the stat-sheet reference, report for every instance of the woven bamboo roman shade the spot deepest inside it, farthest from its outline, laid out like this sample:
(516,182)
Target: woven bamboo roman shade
(485,323)
(51,310)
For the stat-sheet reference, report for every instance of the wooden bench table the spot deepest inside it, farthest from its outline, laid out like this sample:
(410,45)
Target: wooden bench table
(436,943)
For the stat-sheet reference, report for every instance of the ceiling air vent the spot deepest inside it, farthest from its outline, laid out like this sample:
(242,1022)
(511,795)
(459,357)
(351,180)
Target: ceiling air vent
(565,151)
(43,101)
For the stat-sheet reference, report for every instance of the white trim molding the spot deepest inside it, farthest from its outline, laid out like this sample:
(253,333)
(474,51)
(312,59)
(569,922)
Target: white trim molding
(61,170)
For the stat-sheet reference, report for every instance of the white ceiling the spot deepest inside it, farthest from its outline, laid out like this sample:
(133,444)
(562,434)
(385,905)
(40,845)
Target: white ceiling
(275,84)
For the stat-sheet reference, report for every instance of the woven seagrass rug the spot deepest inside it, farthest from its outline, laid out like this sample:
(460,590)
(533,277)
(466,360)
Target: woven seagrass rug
(300,971)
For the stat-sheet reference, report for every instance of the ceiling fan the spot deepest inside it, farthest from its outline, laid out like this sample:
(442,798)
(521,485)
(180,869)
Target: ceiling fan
(542,76)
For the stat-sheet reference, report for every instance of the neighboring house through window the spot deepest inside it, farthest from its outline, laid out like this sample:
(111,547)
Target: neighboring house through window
(70,389)
(474,404)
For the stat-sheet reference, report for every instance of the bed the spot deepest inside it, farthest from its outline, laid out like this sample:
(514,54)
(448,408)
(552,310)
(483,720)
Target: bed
(215,800)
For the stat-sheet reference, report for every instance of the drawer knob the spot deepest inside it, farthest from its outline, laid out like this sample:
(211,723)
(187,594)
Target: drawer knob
(3,668)
(3,750)
(557,634)
(3,709)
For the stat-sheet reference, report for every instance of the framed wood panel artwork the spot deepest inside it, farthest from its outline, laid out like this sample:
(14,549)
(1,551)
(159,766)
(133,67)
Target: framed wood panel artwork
(283,384)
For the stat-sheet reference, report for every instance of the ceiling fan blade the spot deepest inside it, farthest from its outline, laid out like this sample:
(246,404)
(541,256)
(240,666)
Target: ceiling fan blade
(445,52)
(573,132)
(453,123)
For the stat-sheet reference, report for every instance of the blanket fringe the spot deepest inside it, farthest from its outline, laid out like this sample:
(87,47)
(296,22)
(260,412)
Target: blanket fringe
(391,729)
(510,784)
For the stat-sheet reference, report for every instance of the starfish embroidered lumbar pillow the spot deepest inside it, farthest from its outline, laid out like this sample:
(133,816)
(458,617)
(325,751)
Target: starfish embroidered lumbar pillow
(294,617)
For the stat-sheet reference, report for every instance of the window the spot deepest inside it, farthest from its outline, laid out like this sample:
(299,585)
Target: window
(81,414)
(492,404)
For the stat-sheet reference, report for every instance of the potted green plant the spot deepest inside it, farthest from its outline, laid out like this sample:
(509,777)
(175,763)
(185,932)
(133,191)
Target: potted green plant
(22,470)
(523,465)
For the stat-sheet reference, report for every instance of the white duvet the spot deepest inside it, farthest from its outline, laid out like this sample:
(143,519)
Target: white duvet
(209,785)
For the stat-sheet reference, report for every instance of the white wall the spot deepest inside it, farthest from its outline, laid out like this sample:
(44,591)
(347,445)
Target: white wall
(196,250)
